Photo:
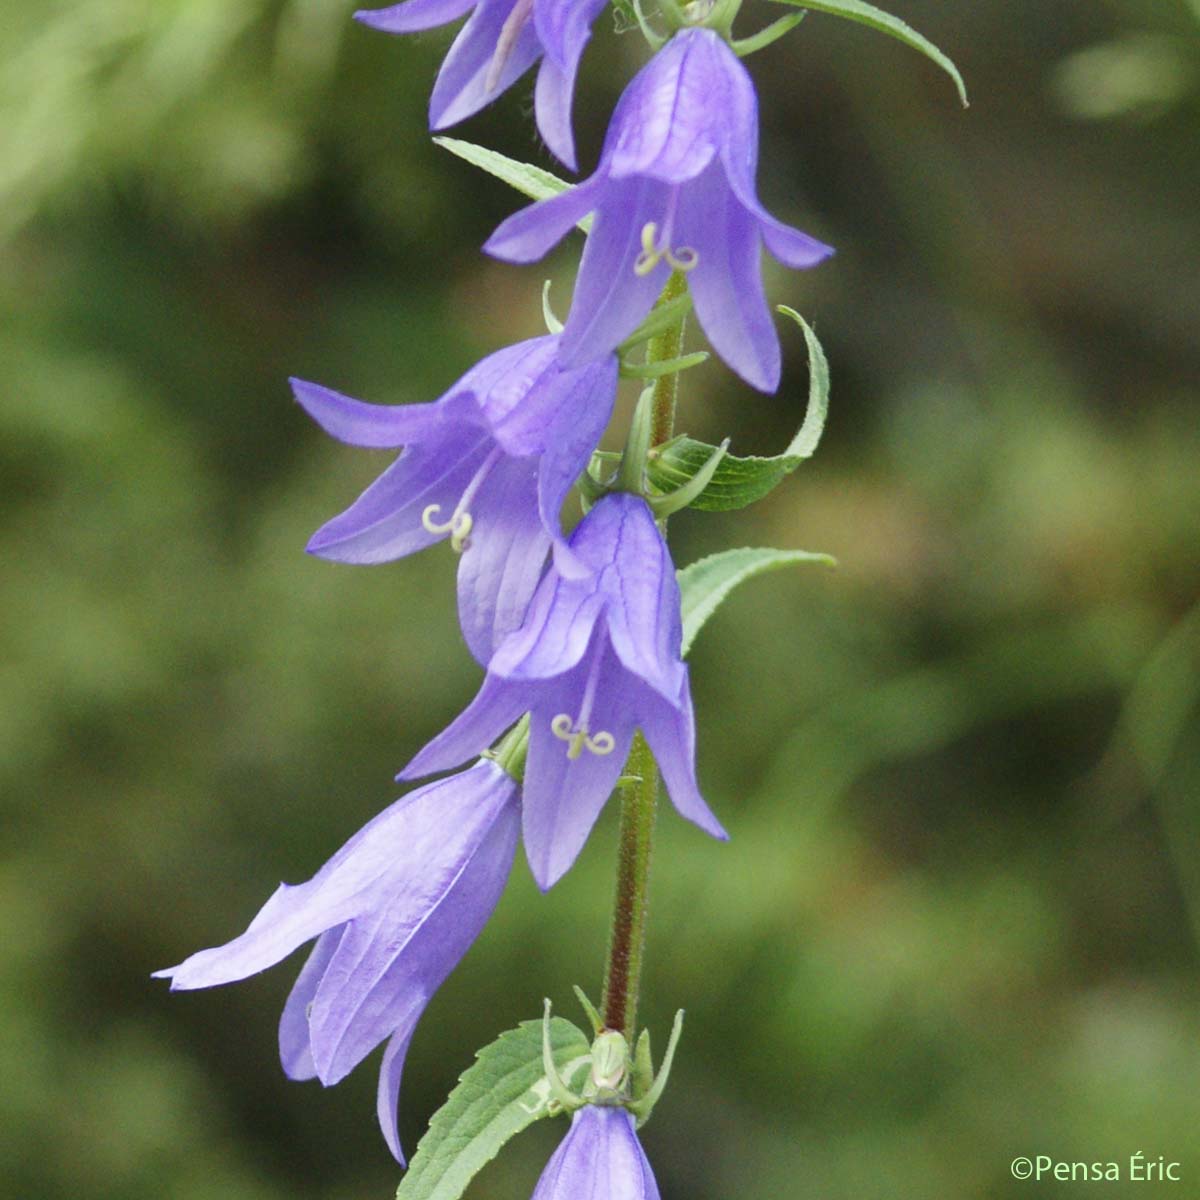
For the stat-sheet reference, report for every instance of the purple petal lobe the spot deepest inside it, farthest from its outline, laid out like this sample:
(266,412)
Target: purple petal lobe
(529,234)
(388,1094)
(610,297)
(638,579)
(414,15)
(394,956)
(726,284)
(563,796)
(295,1051)
(372,425)
(472,76)
(500,568)
(671,733)
(498,704)
(669,127)
(385,522)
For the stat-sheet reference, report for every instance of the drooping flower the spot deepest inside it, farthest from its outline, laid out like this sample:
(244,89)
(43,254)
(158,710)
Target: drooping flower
(597,657)
(675,189)
(499,43)
(392,912)
(488,466)
(599,1159)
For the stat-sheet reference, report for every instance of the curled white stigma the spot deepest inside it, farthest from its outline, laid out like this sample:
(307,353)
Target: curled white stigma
(681,258)
(579,739)
(458,527)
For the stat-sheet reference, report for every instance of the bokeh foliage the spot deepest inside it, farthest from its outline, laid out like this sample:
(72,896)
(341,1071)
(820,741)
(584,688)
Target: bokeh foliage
(957,920)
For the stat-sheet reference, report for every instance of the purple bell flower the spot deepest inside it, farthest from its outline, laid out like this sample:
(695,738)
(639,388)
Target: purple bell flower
(499,43)
(597,657)
(599,1159)
(488,466)
(674,190)
(393,912)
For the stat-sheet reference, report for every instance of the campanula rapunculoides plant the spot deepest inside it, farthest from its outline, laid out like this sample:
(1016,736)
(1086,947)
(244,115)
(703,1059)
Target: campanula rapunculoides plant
(575,610)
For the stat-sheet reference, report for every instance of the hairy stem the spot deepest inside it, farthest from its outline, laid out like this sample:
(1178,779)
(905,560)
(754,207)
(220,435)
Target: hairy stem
(627,939)
(667,345)
(639,798)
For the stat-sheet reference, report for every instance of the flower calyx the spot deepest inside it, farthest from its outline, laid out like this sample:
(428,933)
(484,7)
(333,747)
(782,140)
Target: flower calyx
(631,476)
(617,1078)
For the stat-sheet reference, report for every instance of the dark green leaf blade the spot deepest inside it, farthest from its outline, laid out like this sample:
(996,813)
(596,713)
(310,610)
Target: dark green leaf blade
(501,1093)
(741,481)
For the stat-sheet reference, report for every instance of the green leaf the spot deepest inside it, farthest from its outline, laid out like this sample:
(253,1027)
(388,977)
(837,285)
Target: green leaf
(501,1093)
(706,584)
(741,481)
(876,18)
(529,180)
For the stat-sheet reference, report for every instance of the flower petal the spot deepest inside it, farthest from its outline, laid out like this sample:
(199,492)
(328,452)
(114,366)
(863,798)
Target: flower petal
(386,426)
(518,402)
(502,564)
(610,297)
(530,233)
(385,522)
(562,797)
(620,539)
(585,400)
(726,284)
(387,1096)
(295,1050)
(468,80)
(338,892)
(556,632)
(457,851)
(669,123)
(552,100)
(498,704)
(671,733)
(599,1159)
(414,15)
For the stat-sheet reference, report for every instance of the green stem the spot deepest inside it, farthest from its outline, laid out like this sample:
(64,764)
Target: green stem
(667,345)
(627,939)
(639,798)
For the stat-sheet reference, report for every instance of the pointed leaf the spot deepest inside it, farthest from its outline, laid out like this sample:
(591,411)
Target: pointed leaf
(876,18)
(705,584)
(531,181)
(501,1093)
(741,481)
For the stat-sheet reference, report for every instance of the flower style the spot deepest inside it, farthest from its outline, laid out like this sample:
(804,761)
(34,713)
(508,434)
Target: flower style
(488,466)
(499,43)
(674,190)
(597,656)
(393,911)
(599,1159)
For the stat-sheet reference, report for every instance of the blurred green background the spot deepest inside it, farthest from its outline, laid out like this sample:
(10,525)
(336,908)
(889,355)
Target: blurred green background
(958,918)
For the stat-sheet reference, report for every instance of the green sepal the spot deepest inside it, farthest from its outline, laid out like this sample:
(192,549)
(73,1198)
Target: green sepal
(666,366)
(642,1075)
(660,318)
(643,1106)
(531,181)
(705,584)
(743,47)
(737,481)
(876,18)
(593,1013)
(503,1092)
